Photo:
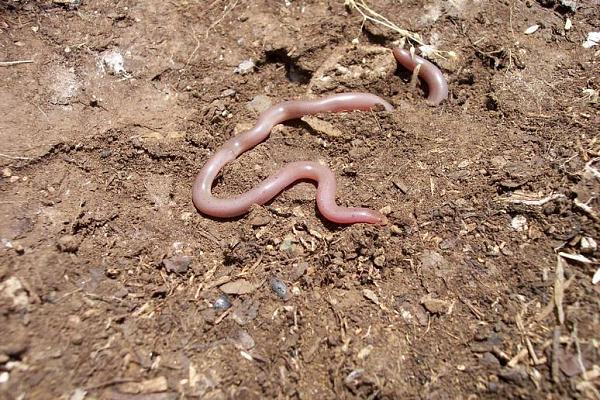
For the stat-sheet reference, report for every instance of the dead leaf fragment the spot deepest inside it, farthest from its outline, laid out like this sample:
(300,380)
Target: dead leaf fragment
(531,29)
(575,257)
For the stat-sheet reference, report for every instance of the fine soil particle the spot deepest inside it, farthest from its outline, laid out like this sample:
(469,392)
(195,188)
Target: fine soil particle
(113,286)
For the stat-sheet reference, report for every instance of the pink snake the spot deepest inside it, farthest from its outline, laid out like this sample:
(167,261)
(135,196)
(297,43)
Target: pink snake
(238,205)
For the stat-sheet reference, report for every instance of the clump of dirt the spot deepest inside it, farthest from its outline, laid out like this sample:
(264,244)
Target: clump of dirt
(481,286)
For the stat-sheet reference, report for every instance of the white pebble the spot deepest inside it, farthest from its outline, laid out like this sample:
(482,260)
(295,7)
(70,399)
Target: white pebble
(245,67)
(593,39)
(588,245)
(531,29)
(519,223)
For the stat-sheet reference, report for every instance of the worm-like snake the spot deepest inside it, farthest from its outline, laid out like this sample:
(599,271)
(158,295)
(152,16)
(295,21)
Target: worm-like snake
(206,203)
(436,83)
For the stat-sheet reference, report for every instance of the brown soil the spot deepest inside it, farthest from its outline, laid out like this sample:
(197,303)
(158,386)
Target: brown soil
(108,275)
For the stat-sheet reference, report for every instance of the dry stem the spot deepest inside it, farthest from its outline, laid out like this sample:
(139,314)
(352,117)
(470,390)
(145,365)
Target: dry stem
(11,63)
(369,14)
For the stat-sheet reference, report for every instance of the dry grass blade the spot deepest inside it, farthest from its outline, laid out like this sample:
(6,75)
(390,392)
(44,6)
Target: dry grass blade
(550,306)
(369,14)
(15,157)
(11,63)
(555,353)
(227,10)
(559,292)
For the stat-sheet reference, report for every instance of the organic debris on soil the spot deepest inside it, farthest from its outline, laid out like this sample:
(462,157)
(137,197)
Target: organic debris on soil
(483,285)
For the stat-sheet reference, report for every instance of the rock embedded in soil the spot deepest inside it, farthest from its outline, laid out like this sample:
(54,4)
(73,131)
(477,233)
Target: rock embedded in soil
(280,288)
(370,295)
(13,289)
(516,375)
(259,103)
(178,264)
(436,306)
(489,360)
(260,219)
(15,344)
(222,302)
(239,286)
(154,385)
(298,270)
(245,67)
(431,259)
(242,340)
(68,244)
(246,312)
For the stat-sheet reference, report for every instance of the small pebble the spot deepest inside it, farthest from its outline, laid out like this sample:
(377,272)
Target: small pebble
(286,245)
(297,271)
(387,210)
(490,360)
(228,93)
(177,264)
(68,244)
(186,216)
(259,103)
(112,273)
(73,321)
(77,339)
(280,288)
(519,223)
(517,376)
(19,249)
(245,67)
(568,24)
(352,376)
(243,341)
(379,260)
(588,245)
(222,302)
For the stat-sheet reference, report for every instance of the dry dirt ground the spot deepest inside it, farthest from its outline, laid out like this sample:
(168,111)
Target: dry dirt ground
(111,284)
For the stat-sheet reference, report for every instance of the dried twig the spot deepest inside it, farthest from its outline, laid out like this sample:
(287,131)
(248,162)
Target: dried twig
(517,358)
(369,14)
(222,316)
(587,209)
(579,356)
(559,292)
(11,63)
(112,382)
(550,306)
(15,157)
(555,354)
(533,202)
